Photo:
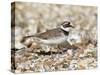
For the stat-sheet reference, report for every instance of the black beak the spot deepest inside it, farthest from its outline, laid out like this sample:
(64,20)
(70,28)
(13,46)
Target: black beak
(71,26)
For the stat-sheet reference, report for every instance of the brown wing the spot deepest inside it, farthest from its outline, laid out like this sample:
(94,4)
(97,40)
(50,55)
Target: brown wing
(50,33)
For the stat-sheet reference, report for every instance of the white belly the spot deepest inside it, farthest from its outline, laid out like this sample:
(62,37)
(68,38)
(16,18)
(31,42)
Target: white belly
(54,40)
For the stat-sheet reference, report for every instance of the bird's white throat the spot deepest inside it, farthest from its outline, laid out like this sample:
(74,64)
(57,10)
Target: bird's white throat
(66,29)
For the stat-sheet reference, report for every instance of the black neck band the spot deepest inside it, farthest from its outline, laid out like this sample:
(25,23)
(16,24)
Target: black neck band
(65,32)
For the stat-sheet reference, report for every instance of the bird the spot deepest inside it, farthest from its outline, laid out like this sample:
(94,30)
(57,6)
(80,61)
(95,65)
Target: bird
(54,36)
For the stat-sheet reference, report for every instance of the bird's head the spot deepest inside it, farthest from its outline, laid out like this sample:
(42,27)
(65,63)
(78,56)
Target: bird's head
(66,26)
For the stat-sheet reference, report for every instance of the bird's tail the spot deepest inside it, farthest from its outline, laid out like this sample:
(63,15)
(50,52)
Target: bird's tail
(26,37)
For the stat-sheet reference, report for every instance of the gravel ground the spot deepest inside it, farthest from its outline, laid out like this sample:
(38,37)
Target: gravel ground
(32,18)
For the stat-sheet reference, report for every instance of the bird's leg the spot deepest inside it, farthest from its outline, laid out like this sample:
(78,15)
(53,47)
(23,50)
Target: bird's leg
(52,50)
(59,49)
